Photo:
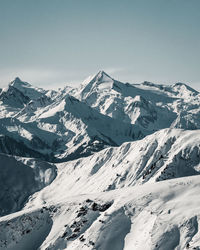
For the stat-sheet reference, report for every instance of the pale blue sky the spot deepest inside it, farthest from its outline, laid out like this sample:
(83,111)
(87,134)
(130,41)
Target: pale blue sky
(54,42)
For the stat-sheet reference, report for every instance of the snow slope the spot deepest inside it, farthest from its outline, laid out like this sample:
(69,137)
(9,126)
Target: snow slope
(163,216)
(164,155)
(83,214)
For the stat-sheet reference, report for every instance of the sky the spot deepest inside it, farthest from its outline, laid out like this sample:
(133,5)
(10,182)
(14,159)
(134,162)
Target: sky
(52,43)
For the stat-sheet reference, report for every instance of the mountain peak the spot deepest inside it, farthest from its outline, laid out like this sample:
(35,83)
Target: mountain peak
(17,79)
(17,82)
(26,88)
(102,74)
(183,88)
(101,78)
(98,78)
(99,81)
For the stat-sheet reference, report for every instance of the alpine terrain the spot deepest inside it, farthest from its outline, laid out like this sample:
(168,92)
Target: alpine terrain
(105,166)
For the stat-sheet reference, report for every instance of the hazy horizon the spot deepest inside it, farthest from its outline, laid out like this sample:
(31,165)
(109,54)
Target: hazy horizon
(78,83)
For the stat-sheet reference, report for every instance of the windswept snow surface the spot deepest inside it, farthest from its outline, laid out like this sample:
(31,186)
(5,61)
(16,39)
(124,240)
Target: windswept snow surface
(164,155)
(164,215)
(106,166)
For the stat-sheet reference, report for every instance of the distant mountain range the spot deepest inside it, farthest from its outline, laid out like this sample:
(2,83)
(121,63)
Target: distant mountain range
(58,126)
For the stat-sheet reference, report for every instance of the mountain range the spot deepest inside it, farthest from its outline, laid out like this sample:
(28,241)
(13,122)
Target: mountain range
(107,165)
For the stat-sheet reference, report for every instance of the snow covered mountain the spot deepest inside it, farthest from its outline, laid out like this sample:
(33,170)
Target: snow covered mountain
(148,105)
(106,166)
(65,130)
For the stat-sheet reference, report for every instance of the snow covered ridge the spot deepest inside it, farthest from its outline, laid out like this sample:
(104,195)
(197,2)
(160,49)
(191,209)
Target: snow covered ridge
(167,154)
(102,112)
(106,166)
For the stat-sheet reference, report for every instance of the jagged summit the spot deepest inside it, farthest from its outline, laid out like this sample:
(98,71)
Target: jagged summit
(17,82)
(17,79)
(102,74)
(100,77)
(177,90)
(182,86)
(101,81)
(26,88)
(184,91)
